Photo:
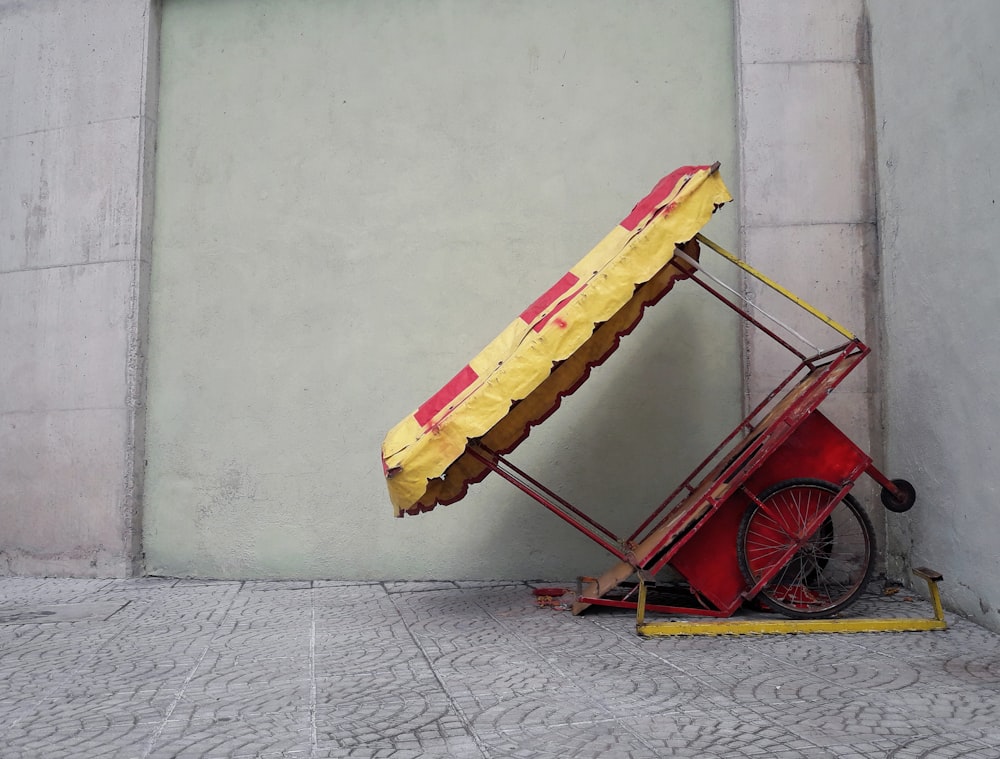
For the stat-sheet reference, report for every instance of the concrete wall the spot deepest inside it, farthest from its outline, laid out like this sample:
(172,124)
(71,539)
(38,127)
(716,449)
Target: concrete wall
(808,205)
(77,84)
(352,199)
(937,106)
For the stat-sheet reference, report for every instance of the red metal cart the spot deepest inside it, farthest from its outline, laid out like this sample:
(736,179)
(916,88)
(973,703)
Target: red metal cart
(768,516)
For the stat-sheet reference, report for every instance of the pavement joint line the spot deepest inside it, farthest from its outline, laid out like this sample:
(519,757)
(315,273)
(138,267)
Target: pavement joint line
(466,722)
(312,673)
(190,675)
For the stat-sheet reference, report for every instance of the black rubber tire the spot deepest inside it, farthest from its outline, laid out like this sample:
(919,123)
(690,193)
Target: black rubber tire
(900,505)
(813,572)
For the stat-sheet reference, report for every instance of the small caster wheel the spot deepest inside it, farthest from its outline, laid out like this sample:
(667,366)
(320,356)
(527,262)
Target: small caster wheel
(904,502)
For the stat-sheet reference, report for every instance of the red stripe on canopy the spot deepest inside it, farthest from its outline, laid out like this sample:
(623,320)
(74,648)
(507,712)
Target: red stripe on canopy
(445,395)
(549,297)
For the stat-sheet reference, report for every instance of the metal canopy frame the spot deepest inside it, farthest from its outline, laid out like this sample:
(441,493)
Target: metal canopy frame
(725,471)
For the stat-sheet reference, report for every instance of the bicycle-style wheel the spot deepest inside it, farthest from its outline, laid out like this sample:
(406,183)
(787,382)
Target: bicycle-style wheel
(828,568)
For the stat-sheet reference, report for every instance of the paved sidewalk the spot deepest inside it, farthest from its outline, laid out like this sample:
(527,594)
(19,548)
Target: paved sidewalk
(161,668)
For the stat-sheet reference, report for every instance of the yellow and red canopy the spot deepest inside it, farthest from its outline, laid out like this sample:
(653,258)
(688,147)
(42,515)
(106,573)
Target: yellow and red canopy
(548,351)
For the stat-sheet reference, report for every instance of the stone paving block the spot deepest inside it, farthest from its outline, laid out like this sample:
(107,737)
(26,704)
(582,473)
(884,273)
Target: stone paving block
(216,680)
(588,741)
(346,584)
(356,618)
(513,680)
(339,694)
(478,658)
(959,639)
(332,603)
(54,741)
(770,684)
(945,747)
(502,711)
(358,656)
(136,673)
(379,624)
(418,586)
(727,668)
(208,702)
(628,686)
(269,735)
(252,668)
(488,583)
(87,712)
(338,688)
(225,670)
(391,720)
(435,641)
(50,590)
(844,722)
(265,586)
(445,748)
(565,634)
(722,733)
(50,643)
(947,709)
(269,640)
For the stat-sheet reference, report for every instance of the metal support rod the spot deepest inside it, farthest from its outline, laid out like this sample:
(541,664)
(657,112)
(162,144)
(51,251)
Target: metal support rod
(553,495)
(882,480)
(687,259)
(766,330)
(687,483)
(775,286)
(525,487)
(745,424)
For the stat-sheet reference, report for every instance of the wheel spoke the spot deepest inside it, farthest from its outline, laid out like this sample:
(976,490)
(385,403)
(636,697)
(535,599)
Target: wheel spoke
(829,568)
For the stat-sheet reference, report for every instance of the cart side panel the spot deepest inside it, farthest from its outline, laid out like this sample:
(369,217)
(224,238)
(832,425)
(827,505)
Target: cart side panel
(817,449)
(708,559)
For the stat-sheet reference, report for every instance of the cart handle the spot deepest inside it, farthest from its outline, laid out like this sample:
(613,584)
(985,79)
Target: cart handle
(776,287)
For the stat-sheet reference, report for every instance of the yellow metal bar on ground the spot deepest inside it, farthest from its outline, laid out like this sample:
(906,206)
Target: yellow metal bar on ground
(787,626)
(775,286)
(794,626)
(640,607)
(933,578)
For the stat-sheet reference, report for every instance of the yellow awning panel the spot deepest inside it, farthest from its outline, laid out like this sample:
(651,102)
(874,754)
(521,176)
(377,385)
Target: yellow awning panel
(549,350)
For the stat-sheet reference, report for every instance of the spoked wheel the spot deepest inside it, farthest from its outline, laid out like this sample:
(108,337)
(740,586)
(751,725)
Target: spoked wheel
(828,568)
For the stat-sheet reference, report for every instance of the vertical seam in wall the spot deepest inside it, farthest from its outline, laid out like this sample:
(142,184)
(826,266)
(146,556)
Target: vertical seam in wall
(136,379)
(744,336)
(879,370)
(132,379)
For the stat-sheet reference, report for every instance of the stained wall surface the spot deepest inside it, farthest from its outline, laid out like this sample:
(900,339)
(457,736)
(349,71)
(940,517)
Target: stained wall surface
(78,115)
(937,106)
(808,212)
(352,200)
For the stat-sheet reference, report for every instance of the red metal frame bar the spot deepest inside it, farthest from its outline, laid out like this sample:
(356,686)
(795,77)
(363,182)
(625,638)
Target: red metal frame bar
(737,473)
(622,604)
(843,351)
(882,480)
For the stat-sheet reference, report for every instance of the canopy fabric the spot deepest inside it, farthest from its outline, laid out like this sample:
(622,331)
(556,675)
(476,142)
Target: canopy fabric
(549,350)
